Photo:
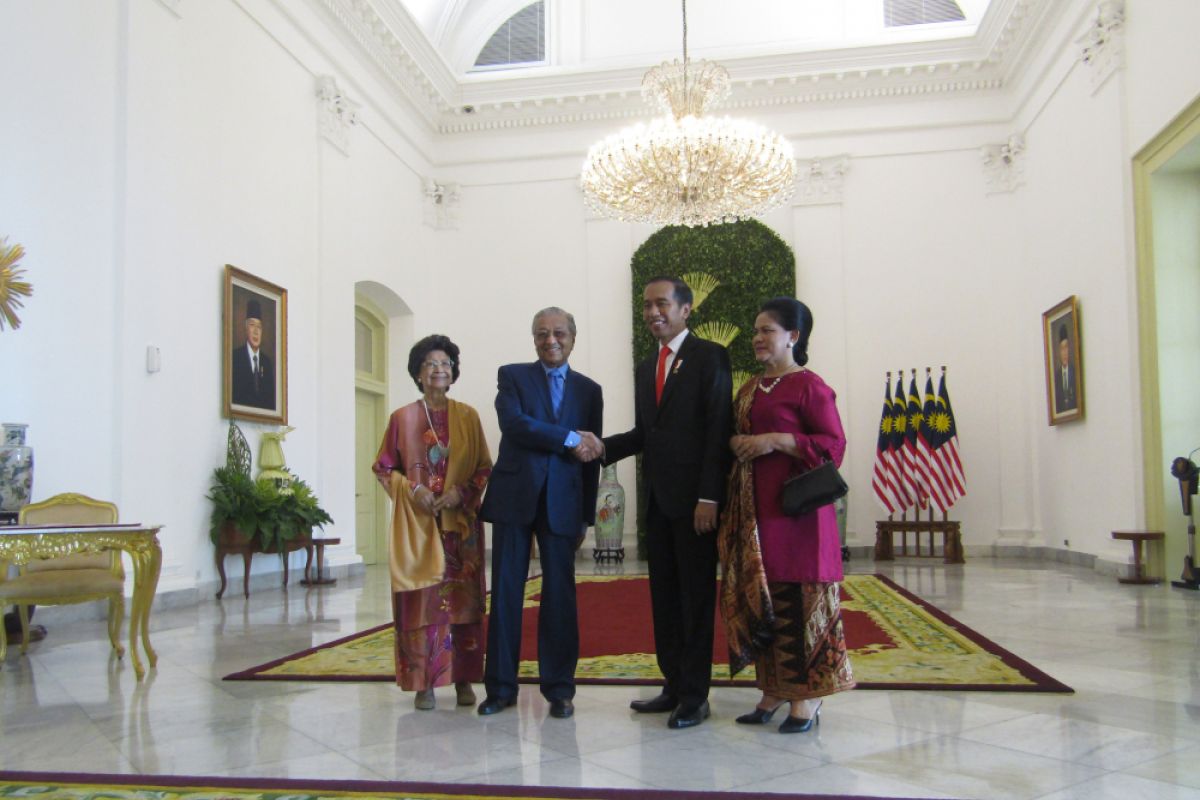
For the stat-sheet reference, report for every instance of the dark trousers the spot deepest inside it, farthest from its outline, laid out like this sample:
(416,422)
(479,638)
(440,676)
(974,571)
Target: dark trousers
(683,596)
(558,621)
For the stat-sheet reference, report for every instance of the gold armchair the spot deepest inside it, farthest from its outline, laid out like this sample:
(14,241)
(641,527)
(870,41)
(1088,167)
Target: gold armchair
(66,579)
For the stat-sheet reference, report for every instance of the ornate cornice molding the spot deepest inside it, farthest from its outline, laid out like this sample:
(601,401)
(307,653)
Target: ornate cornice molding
(394,43)
(820,181)
(336,113)
(1004,164)
(1102,46)
(380,45)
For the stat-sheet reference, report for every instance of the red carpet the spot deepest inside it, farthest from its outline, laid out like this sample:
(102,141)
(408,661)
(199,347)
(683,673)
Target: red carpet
(896,641)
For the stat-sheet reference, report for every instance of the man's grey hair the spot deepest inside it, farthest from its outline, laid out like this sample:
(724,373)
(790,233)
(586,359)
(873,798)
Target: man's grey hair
(553,311)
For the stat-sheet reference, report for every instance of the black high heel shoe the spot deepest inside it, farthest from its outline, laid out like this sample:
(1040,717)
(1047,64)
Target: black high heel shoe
(800,724)
(759,716)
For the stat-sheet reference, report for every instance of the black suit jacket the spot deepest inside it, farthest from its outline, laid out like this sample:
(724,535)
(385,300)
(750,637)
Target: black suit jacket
(684,441)
(1064,399)
(242,378)
(532,455)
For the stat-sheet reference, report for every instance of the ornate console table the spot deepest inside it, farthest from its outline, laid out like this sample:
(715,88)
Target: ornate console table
(20,544)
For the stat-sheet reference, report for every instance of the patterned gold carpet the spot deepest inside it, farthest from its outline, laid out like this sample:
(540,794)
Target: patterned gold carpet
(896,641)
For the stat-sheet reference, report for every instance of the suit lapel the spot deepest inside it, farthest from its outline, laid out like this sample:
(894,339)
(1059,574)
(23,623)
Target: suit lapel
(680,364)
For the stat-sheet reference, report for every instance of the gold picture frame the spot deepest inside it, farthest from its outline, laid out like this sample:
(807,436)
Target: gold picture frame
(1064,362)
(254,383)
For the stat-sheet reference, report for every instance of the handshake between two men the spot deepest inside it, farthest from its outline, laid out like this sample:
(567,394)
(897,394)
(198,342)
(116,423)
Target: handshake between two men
(589,448)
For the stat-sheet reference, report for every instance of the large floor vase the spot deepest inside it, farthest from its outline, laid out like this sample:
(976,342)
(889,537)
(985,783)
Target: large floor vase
(16,469)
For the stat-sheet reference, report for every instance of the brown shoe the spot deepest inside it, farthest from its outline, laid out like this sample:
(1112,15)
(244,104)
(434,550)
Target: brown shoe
(424,701)
(37,633)
(466,695)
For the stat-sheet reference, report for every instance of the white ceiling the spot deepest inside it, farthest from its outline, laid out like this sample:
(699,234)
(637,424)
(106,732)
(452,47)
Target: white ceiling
(778,53)
(601,34)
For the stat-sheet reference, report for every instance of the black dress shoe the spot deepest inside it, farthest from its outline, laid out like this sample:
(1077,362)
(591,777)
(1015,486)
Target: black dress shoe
(494,705)
(561,708)
(759,716)
(688,716)
(655,705)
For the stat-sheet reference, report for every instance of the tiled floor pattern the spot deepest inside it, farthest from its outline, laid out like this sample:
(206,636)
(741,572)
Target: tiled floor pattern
(1131,731)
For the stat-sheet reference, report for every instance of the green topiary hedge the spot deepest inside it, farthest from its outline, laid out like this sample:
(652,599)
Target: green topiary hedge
(745,261)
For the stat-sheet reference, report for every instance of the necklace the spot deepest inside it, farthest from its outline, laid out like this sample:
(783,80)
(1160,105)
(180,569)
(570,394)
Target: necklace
(438,451)
(765,389)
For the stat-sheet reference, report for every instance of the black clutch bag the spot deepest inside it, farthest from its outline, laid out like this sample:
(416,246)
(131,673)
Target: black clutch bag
(810,490)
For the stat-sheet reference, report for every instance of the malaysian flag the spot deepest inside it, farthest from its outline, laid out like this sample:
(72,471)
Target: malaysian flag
(884,478)
(945,447)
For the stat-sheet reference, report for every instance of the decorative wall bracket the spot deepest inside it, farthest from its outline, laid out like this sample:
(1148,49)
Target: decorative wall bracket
(820,181)
(441,204)
(1102,46)
(336,113)
(1003,164)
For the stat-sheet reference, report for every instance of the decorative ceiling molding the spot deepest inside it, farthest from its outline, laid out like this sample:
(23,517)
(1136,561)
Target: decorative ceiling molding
(441,204)
(1004,164)
(336,113)
(381,44)
(1102,46)
(820,181)
(389,38)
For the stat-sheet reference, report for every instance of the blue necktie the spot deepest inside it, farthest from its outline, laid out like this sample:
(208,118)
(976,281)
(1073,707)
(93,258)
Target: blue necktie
(556,390)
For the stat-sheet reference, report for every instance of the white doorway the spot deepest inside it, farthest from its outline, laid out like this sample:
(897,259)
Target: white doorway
(1166,177)
(370,415)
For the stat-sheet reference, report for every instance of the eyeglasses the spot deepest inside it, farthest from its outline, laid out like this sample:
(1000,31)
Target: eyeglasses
(436,364)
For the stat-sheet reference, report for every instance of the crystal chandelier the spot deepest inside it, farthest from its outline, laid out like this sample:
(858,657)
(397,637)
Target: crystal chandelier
(686,168)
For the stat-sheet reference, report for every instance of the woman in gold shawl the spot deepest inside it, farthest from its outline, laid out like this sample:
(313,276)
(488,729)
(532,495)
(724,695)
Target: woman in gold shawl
(434,464)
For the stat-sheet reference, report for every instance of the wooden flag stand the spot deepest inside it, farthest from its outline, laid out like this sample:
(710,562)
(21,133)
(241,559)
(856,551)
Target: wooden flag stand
(885,530)
(952,550)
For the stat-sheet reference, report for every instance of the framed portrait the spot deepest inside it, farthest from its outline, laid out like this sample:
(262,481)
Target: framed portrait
(1064,362)
(254,327)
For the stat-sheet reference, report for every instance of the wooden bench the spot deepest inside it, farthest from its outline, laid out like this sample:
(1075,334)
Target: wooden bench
(951,533)
(1137,537)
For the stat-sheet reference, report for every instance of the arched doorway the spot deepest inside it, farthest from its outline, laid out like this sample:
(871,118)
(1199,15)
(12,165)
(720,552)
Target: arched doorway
(382,338)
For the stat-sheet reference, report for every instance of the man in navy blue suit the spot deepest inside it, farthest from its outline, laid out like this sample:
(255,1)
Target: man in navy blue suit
(543,485)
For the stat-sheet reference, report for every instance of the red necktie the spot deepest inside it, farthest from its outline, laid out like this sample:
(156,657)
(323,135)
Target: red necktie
(660,377)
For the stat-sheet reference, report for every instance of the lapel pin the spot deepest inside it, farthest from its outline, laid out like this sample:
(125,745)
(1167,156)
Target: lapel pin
(678,364)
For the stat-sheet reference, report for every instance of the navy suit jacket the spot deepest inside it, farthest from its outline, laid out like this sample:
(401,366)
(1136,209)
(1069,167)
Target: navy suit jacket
(532,456)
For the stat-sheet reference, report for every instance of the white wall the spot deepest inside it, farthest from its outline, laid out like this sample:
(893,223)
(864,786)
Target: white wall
(153,149)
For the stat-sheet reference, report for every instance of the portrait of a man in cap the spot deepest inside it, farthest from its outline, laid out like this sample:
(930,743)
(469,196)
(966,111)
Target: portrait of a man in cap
(253,372)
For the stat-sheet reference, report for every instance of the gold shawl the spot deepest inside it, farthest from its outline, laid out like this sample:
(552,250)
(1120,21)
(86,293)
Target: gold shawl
(416,558)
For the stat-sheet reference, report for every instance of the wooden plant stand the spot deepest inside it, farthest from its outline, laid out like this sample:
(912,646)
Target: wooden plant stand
(231,541)
(1136,538)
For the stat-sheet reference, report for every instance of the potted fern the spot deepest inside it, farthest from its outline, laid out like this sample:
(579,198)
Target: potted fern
(266,512)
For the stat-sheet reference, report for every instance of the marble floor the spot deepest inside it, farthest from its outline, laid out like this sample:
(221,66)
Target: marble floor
(1131,730)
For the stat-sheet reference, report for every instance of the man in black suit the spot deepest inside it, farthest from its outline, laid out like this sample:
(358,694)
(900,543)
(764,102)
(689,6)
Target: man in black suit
(543,485)
(683,421)
(253,374)
(1064,375)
